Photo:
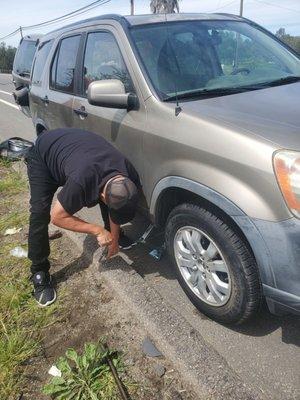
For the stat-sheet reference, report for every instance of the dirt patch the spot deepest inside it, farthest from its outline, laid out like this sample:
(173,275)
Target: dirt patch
(90,312)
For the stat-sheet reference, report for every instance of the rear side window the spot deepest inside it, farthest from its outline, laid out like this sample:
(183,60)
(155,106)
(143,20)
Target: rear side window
(63,65)
(103,60)
(24,57)
(40,61)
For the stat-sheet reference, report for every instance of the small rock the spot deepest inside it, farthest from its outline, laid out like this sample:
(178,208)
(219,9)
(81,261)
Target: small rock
(159,370)
(150,349)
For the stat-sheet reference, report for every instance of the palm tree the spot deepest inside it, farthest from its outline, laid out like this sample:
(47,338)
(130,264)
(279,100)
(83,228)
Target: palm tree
(164,6)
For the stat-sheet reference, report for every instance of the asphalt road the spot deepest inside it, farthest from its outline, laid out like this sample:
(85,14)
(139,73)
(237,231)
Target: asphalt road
(265,353)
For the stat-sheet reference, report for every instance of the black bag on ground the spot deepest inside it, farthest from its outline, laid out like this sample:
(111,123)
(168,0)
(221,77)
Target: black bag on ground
(15,148)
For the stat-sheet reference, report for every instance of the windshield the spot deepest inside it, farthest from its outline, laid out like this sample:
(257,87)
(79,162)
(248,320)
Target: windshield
(207,56)
(24,57)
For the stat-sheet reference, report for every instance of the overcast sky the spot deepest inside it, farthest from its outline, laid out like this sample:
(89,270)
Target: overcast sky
(272,14)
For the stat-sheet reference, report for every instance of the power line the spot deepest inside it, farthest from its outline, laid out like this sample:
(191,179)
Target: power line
(277,5)
(224,6)
(10,34)
(62,18)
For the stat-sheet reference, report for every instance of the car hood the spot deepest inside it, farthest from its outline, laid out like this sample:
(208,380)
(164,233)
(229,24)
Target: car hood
(271,113)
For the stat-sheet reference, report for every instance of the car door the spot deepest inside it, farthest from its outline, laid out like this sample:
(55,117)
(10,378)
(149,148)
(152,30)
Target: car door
(58,96)
(102,59)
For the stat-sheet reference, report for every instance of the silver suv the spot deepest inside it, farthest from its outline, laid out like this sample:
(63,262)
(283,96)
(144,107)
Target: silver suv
(206,107)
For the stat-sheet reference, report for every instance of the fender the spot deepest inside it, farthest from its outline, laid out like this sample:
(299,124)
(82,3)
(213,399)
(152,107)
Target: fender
(245,223)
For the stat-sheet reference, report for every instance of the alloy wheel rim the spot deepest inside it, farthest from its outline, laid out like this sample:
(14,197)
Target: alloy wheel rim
(202,265)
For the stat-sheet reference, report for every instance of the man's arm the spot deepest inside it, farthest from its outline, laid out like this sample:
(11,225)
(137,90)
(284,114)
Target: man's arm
(113,248)
(61,218)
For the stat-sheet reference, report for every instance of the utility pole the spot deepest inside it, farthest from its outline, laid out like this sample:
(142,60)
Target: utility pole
(241,8)
(132,7)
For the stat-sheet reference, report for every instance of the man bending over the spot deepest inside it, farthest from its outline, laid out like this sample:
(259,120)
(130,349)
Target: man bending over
(91,172)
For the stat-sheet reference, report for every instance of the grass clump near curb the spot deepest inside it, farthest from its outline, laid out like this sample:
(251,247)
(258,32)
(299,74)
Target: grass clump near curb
(86,376)
(21,321)
(11,182)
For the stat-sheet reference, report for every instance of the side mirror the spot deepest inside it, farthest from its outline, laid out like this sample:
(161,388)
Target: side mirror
(111,93)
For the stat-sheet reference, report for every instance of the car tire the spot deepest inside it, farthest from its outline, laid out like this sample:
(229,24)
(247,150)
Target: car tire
(224,283)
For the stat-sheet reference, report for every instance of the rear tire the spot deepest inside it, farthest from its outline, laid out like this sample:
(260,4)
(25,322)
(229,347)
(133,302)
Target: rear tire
(222,278)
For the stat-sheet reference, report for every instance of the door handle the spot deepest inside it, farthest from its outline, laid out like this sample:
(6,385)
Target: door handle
(45,100)
(81,112)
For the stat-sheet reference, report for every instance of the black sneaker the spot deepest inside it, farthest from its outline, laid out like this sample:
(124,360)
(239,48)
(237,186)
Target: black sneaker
(44,292)
(125,242)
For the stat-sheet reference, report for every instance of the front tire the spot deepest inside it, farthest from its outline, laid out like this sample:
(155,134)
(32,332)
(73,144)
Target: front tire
(214,264)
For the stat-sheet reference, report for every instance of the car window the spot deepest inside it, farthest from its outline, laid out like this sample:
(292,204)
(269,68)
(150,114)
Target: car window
(40,60)
(103,60)
(24,57)
(194,56)
(64,63)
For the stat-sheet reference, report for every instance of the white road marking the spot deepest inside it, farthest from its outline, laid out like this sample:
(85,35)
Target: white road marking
(9,104)
(2,91)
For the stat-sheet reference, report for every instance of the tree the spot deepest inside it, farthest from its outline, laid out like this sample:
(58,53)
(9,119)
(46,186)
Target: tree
(7,54)
(164,6)
(293,41)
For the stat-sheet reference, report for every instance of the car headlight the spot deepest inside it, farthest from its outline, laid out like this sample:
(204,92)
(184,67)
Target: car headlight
(287,170)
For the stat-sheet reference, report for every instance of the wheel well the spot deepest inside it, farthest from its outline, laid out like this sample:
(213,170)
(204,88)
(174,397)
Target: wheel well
(39,129)
(173,196)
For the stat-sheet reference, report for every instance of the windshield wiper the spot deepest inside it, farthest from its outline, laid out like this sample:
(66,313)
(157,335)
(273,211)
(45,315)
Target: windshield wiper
(232,90)
(206,92)
(283,81)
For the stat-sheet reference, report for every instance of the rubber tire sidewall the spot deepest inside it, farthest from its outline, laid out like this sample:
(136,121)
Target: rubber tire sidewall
(234,252)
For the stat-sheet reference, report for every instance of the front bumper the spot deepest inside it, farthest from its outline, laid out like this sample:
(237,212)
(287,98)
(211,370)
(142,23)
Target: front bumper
(276,246)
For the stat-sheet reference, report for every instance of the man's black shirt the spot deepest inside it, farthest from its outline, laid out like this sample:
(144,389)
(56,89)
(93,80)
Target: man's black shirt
(82,162)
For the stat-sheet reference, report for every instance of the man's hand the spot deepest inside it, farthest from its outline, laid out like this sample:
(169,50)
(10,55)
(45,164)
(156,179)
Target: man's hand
(113,249)
(104,238)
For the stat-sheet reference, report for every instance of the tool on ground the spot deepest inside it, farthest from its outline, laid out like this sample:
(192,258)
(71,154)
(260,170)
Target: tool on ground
(117,379)
(55,234)
(104,254)
(145,235)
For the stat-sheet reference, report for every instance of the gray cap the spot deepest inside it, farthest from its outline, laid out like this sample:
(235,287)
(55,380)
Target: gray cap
(121,197)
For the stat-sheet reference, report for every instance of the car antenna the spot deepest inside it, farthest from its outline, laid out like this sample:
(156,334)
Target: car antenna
(178,109)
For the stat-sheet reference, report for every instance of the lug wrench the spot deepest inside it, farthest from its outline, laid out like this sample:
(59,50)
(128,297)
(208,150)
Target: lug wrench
(114,372)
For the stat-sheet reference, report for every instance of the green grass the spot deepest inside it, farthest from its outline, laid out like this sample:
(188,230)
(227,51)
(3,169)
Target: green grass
(14,219)
(11,182)
(21,321)
(86,376)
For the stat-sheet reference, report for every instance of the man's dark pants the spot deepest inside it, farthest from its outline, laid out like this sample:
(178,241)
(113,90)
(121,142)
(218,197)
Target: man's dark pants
(42,190)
